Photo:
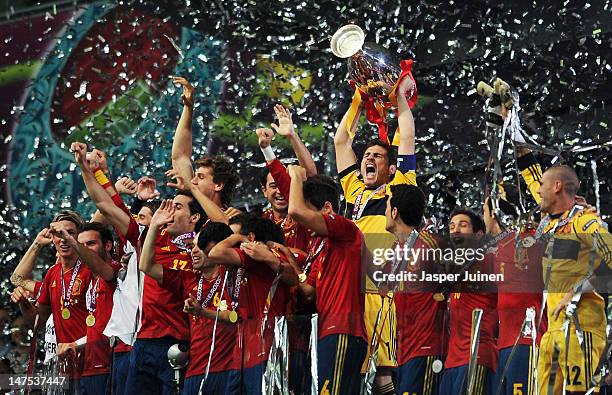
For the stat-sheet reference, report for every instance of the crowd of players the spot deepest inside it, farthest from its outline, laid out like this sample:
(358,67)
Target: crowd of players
(193,271)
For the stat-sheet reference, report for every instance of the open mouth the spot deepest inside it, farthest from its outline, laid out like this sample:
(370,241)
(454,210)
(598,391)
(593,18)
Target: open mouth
(279,199)
(370,170)
(64,248)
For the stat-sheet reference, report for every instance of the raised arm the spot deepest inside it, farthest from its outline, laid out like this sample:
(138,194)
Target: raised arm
(298,210)
(182,144)
(343,143)
(163,215)
(405,119)
(285,129)
(223,253)
(213,212)
(22,275)
(93,261)
(262,253)
(96,182)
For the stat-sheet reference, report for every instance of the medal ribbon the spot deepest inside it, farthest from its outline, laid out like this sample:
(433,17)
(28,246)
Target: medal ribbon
(178,241)
(92,296)
(358,208)
(235,292)
(210,294)
(312,253)
(67,294)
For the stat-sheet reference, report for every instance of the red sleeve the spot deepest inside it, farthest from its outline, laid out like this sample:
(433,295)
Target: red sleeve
(44,297)
(340,228)
(245,260)
(281,177)
(172,281)
(121,204)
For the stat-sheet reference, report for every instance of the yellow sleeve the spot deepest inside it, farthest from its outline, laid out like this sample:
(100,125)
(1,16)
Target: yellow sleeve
(591,230)
(408,178)
(532,174)
(351,184)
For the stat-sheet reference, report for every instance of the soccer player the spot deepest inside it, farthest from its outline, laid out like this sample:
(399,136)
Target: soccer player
(163,321)
(334,278)
(215,178)
(578,242)
(366,192)
(62,292)
(521,267)
(201,289)
(275,180)
(94,248)
(420,318)
(262,297)
(466,229)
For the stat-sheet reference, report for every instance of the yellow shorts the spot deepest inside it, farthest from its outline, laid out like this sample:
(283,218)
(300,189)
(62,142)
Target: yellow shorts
(387,355)
(580,366)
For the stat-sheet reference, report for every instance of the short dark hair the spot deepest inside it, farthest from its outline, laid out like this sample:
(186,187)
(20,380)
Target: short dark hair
(223,173)
(263,177)
(70,215)
(410,203)
(194,208)
(475,219)
(213,232)
(264,229)
(105,233)
(320,189)
(391,155)
(152,205)
(567,175)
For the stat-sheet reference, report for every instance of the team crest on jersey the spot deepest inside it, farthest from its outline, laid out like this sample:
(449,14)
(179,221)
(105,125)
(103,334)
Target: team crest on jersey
(76,288)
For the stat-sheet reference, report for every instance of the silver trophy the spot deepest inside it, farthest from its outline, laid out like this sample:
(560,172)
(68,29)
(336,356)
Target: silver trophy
(370,66)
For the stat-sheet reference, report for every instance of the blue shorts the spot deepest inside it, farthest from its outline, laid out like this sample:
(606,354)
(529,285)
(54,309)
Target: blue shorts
(250,383)
(216,384)
(454,381)
(121,367)
(150,372)
(417,377)
(340,358)
(94,385)
(519,373)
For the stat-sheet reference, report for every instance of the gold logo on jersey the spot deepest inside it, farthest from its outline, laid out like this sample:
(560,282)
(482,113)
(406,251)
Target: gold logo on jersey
(166,248)
(76,288)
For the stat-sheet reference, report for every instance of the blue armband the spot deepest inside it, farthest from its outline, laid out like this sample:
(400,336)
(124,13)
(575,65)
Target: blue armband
(406,163)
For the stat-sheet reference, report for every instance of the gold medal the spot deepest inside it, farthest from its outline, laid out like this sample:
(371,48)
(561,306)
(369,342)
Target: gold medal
(91,320)
(233,317)
(65,313)
(438,297)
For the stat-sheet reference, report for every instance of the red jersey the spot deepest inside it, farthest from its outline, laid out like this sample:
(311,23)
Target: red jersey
(73,328)
(97,348)
(420,317)
(521,273)
(257,283)
(162,310)
(296,235)
(462,304)
(185,283)
(336,275)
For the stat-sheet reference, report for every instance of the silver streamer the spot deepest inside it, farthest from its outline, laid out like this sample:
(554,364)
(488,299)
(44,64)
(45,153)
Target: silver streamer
(474,342)
(276,375)
(596,184)
(314,337)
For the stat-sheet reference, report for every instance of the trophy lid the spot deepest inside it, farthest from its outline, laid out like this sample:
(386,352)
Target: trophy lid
(347,41)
